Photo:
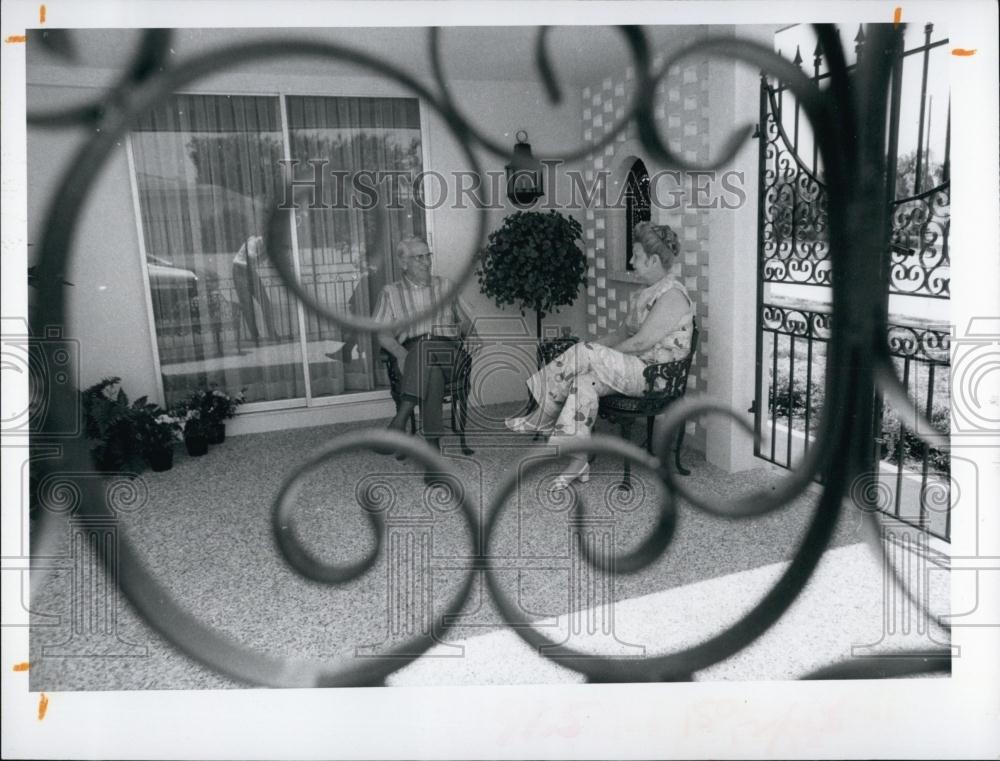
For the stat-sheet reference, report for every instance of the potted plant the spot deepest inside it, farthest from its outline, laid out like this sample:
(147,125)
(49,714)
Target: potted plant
(109,424)
(534,261)
(157,432)
(215,406)
(195,432)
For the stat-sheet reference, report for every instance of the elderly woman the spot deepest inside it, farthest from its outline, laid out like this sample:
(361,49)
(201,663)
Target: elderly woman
(657,328)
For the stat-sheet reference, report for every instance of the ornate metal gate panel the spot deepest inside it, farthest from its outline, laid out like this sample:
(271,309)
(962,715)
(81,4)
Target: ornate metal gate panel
(911,476)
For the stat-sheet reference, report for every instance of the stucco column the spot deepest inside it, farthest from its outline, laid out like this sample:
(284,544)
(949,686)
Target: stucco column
(733,99)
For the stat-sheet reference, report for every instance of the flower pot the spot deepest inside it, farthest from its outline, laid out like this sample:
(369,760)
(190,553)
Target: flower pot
(160,459)
(196,445)
(216,433)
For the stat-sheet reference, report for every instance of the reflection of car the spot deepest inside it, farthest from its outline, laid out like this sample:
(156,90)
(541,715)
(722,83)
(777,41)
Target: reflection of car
(180,297)
(167,278)
(164,276)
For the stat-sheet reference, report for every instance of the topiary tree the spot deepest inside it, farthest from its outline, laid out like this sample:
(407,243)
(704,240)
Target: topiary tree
(533,261)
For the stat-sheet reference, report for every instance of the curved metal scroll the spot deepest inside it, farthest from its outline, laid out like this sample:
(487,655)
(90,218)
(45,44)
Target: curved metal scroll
(848,123)
(794,222)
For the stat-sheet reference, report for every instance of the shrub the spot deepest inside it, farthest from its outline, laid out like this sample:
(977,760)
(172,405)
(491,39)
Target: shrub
(533,261)
(899,442)
(783,404)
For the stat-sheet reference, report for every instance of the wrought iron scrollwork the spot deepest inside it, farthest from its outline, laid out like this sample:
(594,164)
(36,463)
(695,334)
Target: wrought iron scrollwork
(847,120)
(920,263)
(791,321)
(921,343)
(794,211)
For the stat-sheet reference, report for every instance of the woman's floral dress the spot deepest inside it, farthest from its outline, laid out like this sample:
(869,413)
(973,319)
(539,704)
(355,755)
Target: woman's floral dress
(569,388)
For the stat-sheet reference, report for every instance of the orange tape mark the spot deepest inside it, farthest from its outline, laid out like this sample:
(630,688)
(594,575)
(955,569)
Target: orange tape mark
(16,38)
(22,666)
(963,51)
(41,13)
(897,16)
(43,706)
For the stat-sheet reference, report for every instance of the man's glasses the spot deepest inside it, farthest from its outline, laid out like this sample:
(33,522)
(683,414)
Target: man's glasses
(426,256)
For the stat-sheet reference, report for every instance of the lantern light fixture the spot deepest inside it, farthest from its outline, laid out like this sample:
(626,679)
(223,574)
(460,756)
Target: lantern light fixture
(524,174)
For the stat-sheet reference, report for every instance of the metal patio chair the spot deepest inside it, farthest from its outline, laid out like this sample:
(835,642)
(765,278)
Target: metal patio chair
(456,392)
(665,383)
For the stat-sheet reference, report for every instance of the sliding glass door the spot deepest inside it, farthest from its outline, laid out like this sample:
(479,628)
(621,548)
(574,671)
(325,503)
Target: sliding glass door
(361,144)
(207,169)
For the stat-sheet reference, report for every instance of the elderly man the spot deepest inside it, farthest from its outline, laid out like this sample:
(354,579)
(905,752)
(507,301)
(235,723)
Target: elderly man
(430,350)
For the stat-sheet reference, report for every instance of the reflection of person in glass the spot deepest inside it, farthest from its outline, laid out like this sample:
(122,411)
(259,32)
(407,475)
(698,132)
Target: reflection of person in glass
(370,278)
(430,350)
(249,287)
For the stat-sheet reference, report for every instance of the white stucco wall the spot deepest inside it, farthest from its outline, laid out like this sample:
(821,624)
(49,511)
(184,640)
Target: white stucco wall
(106,306)
(734,100)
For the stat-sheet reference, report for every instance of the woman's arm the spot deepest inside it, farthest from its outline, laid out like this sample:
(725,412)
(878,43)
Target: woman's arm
(666,313)
(611,339)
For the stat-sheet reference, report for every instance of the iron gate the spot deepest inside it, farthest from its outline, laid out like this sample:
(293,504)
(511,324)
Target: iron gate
(909,476)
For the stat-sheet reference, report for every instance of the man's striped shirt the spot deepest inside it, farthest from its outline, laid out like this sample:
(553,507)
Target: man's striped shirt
(404,298)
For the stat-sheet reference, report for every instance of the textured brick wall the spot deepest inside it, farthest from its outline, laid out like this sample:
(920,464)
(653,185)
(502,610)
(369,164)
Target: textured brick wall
(682,116)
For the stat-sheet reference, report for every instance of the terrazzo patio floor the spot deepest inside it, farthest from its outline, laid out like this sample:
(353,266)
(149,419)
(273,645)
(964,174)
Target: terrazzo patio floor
(206,534)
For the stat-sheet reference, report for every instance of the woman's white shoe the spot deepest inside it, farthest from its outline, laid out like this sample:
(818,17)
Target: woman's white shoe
(575,473)
(525,425)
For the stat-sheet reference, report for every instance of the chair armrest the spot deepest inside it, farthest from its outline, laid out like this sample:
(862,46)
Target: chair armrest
(549,349)
(671,375)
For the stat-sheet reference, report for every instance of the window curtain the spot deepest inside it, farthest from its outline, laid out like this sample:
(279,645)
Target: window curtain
(207,169)
(344,264)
